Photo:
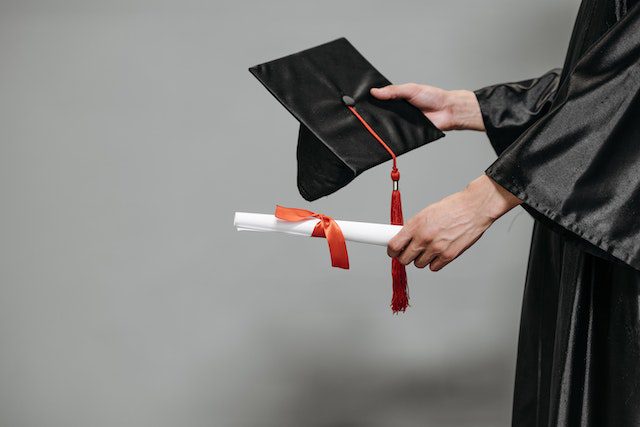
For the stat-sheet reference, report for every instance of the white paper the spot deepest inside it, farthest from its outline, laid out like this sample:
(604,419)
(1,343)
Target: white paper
(362,232)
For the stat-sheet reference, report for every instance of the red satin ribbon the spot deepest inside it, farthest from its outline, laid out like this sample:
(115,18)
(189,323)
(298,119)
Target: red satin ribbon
(326,227)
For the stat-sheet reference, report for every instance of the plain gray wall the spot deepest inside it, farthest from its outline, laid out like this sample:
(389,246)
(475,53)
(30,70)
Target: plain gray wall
(130,131)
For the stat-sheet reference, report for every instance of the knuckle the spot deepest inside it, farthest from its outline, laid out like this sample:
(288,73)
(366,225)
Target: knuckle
(439,247)
(426,236)
(394,247)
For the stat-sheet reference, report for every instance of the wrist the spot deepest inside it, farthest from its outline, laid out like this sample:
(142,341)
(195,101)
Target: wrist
(495,200)
(465,110)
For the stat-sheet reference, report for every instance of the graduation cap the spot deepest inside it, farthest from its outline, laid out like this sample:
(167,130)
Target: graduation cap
(343,129)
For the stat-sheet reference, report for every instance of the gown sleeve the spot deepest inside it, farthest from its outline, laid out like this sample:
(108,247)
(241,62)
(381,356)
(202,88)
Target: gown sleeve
(578,167)
(508,109)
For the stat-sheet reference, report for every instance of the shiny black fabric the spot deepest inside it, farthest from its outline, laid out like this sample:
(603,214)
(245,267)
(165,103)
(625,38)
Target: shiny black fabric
(571,150)
(508,109)
(333,146)
(579,347)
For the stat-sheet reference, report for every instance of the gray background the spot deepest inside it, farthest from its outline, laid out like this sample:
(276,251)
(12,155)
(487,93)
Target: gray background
(130,131)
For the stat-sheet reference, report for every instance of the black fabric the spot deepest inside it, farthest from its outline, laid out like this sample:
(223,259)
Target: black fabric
(333,146)
(579,348)
(576,165)
(509,109)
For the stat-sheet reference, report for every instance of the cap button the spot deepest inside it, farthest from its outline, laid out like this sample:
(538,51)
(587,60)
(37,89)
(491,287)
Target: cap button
(348,101)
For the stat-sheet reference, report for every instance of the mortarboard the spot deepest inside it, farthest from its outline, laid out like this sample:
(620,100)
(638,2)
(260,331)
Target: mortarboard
(343,129)
(333,146)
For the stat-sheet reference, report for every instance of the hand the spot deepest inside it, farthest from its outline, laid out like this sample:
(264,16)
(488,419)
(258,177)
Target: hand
(447,109)
(442,231)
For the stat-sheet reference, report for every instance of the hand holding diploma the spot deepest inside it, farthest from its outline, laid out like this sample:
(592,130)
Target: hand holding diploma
(443,230)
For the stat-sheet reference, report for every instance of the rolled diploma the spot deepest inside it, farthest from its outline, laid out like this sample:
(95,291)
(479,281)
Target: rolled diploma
(362,232)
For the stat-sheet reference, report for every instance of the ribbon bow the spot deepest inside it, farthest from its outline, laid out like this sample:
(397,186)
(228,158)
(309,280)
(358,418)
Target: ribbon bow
(326,227)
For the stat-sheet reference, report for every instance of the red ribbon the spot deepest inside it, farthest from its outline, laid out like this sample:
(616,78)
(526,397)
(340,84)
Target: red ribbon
(326,227)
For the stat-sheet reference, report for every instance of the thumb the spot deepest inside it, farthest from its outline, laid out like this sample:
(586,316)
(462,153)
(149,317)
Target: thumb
(403,91)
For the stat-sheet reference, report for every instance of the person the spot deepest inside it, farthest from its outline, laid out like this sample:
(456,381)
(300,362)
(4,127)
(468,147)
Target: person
(568,146)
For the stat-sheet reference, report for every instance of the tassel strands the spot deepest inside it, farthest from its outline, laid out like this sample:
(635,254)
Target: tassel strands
(400,296)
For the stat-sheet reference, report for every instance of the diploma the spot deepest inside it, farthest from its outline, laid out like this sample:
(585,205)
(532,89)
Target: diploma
(362,232)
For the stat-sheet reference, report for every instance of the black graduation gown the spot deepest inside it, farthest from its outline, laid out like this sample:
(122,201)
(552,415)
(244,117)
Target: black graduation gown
(569,147)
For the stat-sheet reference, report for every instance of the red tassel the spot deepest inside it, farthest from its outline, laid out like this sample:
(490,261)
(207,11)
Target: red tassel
(400,298)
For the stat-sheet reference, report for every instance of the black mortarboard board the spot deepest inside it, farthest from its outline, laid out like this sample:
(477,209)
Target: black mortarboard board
(333,145)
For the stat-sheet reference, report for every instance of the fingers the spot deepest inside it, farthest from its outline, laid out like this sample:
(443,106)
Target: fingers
(404,247)
(422,253)
(435,255)
(399,242)
(423,245)
(410,253)
(403,91)
(438,263)
(443,258)
(424,259)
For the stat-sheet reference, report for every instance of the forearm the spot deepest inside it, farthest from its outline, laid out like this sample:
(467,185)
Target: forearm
(493,200)
(465,110)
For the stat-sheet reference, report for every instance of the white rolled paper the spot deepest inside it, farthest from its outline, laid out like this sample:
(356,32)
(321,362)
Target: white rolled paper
(362,232)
